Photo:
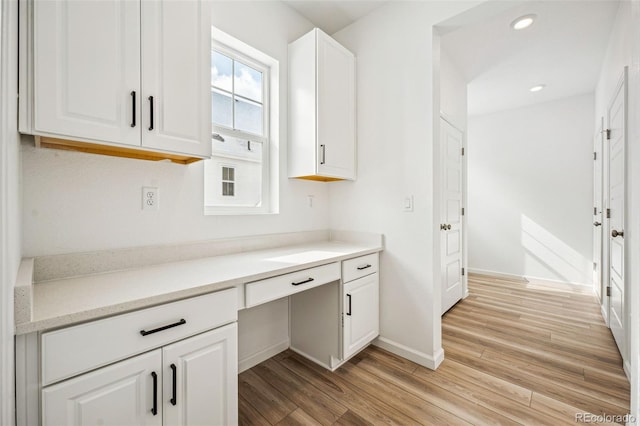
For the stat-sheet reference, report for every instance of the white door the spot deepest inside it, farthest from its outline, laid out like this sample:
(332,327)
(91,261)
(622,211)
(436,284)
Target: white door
(616,139)
(451,140)
(201,379)
(597,213)
(361,313)
(336,109)
(87,69)
(176,76)
(121,394)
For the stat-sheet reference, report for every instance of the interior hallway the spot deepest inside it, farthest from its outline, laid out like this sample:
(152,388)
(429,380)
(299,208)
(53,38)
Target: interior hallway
(516,352)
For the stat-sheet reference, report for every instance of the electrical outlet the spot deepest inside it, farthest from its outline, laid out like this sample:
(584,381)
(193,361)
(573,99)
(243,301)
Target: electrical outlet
(150,198)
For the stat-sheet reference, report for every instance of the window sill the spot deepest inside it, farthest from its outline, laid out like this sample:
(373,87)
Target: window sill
(230,211)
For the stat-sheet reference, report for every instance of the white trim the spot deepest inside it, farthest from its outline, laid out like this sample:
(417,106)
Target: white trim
(263,355)
(430,361)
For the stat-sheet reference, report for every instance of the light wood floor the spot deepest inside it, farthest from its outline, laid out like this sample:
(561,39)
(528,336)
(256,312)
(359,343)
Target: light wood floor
(515,353)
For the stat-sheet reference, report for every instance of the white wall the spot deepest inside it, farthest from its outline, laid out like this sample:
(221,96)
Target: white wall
(624,50)
(80,202)
(453,92)
(530,191)
(395,100)
(10,235)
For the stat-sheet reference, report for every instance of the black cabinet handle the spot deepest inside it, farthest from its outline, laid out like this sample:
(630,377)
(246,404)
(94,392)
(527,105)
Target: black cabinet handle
(308,280)
(165,327)
(349,311)
(322,147)
(360,268)
(133,108)
(174,372)
(150,112)
(154,410)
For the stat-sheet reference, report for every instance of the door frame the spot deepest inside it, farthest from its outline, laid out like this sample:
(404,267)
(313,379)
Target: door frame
(463,224)
(604,200)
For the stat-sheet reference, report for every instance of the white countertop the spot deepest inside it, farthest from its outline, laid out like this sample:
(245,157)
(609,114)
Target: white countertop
(68,301)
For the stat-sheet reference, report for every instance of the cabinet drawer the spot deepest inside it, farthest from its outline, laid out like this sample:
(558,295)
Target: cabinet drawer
(359,267)
(83,347)
(263,291)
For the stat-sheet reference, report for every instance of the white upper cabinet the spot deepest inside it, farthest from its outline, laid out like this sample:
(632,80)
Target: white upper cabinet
(322,137)
(176,76)
(118,72)
(86,64)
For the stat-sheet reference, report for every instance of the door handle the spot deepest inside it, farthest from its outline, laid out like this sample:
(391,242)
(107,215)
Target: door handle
(154,409)
(596,223)
(324,153)
(445,227)
(133,108)
(150,113)
(615,233)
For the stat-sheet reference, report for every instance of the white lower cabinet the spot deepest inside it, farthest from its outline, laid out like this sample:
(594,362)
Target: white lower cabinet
(190,382)
(200,384)
(121,394)
(361,317)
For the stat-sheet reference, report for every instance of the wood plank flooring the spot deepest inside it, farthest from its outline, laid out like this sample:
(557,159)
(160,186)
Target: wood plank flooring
(516,352)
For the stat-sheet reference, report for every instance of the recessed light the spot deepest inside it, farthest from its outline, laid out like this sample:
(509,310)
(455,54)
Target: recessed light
(537,88)
(523,22)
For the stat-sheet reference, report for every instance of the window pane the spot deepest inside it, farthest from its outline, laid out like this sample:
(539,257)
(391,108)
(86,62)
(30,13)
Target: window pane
(221,113)
(221,69)
(248,116)
(231,174)
(248,82)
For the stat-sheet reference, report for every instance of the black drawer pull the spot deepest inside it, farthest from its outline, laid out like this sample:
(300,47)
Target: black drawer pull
(308,280)
(349,312)
(360,268)
(155,330)
(174,371)
(154,410)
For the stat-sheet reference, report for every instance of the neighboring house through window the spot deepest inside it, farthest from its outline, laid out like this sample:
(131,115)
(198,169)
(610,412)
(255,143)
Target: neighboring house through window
(238,176)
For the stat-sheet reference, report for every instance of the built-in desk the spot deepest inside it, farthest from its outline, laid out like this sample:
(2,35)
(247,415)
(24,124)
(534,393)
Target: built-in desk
(333,289)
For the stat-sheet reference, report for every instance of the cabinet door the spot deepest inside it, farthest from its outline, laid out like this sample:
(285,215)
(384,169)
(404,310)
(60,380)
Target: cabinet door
(361,313)
(336,109)
(176,76)
(121,394)
(201,379)
(87,64)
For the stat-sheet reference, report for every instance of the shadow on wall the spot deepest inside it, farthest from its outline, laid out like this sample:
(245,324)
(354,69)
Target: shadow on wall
(543,249)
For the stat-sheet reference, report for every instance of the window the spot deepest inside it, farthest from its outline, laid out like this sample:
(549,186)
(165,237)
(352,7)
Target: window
(239,178)
(228,181)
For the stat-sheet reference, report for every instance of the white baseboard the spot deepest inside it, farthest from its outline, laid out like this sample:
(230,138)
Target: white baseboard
(605,314)
(525,277)
(263,355)
(430,361)
(495,274)
(627,369)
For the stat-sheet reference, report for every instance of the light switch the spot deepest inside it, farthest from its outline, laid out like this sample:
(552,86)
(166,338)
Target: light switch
(408,203)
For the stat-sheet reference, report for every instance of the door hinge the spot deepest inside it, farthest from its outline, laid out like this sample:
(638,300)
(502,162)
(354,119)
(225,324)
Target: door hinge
(595,156)
(608,213)
(608,132)
(595,211)
(609,291)
(463,211)
(463,150)
(342,320)
(595,266)
(462,271)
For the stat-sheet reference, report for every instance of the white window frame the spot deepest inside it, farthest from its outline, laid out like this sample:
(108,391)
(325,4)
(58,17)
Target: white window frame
(233,181)
(237,50)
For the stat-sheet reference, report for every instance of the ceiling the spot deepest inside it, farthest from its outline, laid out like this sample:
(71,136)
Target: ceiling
(563,49)
(333,15)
